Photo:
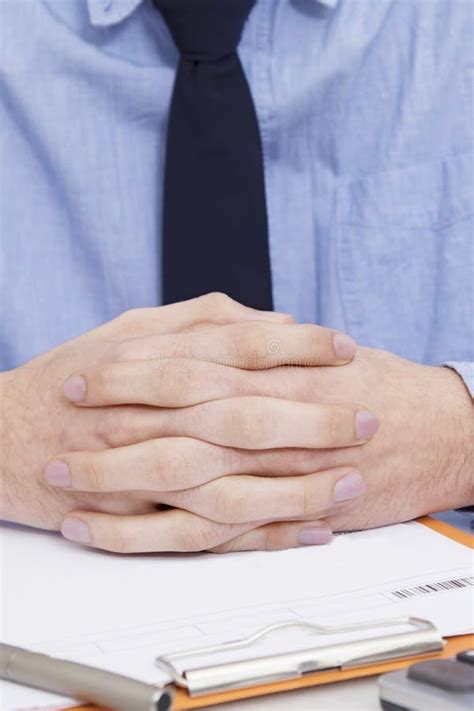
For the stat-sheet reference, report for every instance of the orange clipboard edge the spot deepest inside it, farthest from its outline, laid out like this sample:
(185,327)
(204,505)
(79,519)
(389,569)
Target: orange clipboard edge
(183,701)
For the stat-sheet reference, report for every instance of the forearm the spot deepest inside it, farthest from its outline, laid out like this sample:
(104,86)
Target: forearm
(25,497)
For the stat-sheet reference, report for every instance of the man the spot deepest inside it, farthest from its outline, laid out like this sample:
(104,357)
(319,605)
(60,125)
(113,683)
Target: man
(325,171)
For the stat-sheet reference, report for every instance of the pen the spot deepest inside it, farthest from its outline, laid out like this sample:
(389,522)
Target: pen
(80,681)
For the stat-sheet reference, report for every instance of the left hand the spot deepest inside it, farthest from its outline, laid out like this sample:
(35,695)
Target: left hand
(421,460)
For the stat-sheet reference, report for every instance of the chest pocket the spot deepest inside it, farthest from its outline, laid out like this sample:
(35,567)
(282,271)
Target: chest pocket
(405,259)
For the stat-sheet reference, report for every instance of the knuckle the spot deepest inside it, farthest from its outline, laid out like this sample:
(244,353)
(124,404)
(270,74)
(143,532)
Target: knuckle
(102,384)
(117,541)
(293,500)
(142,347)
(306,497)
(175,464)
(194,537)
(248,341)
(272,539)
(331,425)
(92,473)
(230,547)
(334,426)
(172,376)
(123,318)
(240,424)
(70,439)
(299,390)
(230,503)
(313,333)
(313,337)
(296,499)
(250,422)
(180,346)
(239,543)
(112,429)
(131,316)
(135,314)
(214,301)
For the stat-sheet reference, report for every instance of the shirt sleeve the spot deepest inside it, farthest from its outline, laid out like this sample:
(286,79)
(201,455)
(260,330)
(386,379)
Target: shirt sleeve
(466,371)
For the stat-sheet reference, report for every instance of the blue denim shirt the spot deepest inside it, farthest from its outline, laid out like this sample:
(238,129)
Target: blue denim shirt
(365,111)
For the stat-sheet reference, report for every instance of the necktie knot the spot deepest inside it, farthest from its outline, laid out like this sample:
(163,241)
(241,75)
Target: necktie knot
(205,30)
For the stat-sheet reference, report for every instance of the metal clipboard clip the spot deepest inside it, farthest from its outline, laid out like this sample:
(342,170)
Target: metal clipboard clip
(421,639)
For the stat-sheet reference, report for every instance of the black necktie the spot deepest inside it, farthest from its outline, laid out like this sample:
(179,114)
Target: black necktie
(215,235)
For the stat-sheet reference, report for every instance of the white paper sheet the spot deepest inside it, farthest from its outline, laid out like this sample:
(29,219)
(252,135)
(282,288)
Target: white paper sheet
(119,613)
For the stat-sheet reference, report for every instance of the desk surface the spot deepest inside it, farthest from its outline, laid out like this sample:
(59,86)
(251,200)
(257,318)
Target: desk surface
(354,695)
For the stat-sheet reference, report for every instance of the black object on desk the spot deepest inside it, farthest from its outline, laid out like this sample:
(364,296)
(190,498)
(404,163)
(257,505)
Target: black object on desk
(437,685)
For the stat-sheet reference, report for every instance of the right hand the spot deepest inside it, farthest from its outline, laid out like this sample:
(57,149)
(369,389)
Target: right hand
(98,441)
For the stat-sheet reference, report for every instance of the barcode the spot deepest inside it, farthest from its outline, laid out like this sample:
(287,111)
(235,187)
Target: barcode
(440,586)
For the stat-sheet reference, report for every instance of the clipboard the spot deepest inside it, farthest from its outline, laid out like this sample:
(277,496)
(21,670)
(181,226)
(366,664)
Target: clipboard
(423,638)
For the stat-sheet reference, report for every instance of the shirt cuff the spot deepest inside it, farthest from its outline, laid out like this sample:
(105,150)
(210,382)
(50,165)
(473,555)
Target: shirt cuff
(466,371)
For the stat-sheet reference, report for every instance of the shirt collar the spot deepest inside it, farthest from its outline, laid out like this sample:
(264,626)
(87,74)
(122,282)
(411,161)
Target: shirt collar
(103,13)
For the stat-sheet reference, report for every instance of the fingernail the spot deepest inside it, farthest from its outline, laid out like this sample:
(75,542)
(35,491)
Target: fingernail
(58,474)
(349,487)
(366,424)
(76,530)
(315,535)
(74,388)
(344,347)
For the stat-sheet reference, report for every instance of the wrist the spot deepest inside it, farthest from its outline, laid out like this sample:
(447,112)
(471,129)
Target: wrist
(456,436)
(13,445)
(5,443)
